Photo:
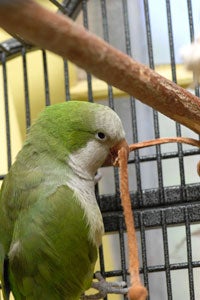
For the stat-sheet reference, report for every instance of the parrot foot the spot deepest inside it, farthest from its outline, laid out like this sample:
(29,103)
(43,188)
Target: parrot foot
(105,288)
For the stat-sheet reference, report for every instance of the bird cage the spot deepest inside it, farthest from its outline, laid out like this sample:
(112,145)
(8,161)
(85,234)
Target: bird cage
(164,184)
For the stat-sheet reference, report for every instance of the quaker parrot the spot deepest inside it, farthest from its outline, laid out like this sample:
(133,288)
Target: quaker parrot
(50,223)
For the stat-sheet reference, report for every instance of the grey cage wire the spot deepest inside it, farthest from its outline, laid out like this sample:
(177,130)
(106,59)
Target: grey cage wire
(164,186)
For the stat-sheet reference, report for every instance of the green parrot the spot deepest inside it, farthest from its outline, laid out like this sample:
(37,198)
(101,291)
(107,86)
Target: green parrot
(50,223)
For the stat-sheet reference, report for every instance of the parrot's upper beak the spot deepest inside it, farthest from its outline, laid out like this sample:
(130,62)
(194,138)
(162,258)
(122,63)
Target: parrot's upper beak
(113,155)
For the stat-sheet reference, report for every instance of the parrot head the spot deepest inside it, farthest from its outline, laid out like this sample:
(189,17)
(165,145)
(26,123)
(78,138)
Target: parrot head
(83,134)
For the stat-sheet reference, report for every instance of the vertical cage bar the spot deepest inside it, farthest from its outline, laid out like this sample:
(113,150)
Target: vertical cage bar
(46,79)
(110,90)
(122,250)
(85,23)
(102,264)
(126,27)
(190,19)
(189,254)
(155,113)
(26,90)
(171,41)
(191,27)
(174,78)
(166,255)
(7,116)
(136,153)
(66,79)
(148,33)
(101,259)
(133,107)
(106,38)
(144,251)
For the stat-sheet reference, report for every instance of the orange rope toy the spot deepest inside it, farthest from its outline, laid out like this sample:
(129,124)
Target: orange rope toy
(137,291)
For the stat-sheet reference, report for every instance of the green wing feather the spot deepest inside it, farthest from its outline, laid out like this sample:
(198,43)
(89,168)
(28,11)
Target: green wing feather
(50,261)
(44,232)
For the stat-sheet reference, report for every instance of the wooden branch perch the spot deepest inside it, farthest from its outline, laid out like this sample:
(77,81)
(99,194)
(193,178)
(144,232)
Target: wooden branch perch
(64,37)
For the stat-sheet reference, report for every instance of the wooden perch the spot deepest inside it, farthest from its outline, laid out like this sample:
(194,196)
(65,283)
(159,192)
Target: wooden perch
(64,37)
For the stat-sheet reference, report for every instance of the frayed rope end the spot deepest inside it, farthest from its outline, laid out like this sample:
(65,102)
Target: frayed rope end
(137,292)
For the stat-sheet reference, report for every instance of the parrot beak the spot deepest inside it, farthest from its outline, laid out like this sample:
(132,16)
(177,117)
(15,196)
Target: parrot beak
(111,159)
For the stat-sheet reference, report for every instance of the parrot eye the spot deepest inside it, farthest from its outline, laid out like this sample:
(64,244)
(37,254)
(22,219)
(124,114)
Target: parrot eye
(100,136)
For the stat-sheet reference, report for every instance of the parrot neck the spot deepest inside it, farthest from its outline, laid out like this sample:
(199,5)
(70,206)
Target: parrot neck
(85,195)
(84,164)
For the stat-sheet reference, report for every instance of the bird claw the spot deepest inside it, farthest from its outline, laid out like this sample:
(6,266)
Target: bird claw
(105,288)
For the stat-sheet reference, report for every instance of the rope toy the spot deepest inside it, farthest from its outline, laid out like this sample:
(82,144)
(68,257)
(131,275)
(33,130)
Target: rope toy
(137,291)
